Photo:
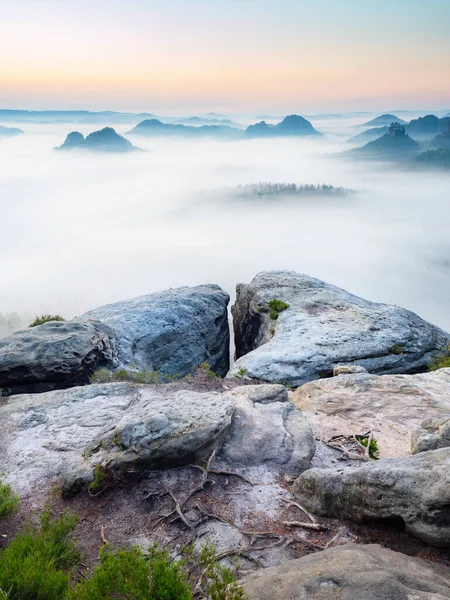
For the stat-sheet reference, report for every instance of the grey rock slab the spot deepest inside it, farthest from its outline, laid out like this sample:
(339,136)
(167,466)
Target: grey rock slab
(54,355)
(432,434)
(415,489)
(268,430)
(351,572)
(122,426)
(324,327)
(393,406)
(67,432)
(172,331)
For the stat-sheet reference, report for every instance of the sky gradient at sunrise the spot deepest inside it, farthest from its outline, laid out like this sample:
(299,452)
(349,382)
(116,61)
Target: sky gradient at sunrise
(230,55)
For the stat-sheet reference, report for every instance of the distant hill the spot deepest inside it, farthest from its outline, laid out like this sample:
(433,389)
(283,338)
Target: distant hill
(293,125)
(154,127)
(369,135)
(105,140)
(384,120)
(69,116)
(442,140)
(425,128)
(203,121)
(395,144)
(10,131)
(435,158)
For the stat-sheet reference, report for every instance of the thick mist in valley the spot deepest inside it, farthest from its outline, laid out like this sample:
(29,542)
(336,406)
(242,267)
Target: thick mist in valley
(83,229)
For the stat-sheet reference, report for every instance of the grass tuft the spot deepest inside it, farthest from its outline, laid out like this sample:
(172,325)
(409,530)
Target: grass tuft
(9,501)
(41,319)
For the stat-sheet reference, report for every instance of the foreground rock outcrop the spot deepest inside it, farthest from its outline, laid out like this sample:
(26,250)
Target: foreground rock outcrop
(324,326)
(171,331)
(120,426)
(393,406)
(433,433)
(54,355)
(351,572)
(268,429)
(415,489)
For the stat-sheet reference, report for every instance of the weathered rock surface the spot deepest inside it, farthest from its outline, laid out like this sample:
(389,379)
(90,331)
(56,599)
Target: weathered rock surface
(54,355)
(171,331)
(324,326)
(67,432)
(120,425)
(351,572)
(415,489)
(268,429)
(434,433)
(393,406)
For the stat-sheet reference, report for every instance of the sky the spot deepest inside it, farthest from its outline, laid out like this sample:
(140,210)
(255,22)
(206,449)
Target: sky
(231,56)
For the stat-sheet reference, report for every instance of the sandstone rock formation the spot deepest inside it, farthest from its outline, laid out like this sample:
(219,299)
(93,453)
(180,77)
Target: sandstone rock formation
(393,406)
(324,326)
(351,572)
(415,489)
(118,426)
(54,355)
(171,331)
(434,433)
(267,429)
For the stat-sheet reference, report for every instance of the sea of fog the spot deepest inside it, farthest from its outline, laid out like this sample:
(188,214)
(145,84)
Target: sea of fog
(80,230)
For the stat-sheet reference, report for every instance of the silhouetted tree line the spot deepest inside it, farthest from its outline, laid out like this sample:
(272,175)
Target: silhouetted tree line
(283,189)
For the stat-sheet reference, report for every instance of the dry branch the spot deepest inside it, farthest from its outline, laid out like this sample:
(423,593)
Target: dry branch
(309,515)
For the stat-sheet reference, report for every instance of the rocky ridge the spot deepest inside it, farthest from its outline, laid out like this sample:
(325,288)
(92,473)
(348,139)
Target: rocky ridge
(234,459)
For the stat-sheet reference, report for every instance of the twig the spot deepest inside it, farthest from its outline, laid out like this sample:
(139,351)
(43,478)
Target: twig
(369,441)
(223,472)
(178,509)
(157,495)
(315,526)
(333,539)
(102,534)
(309,515)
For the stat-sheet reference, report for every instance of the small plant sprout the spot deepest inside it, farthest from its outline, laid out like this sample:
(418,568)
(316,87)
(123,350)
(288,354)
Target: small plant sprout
(396,349)
(276,307)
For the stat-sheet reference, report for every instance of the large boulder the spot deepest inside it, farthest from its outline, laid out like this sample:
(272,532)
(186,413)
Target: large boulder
(171,331)
(122,426)
(433,433)
(415,489)
(268,429)
(351,572)
(54,355)
(393,406)
(324,326)
(67,432)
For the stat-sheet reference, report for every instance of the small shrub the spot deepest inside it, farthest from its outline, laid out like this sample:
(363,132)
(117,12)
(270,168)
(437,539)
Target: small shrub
(241,372)
(218,582)
(121,375)
(99,475)
(129,575)
(440,362)
(41,319)
(9,501)
(38,563)
(373,450)
(204,370)
(102,375)
(396,349)
(276,307)
(146,376)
